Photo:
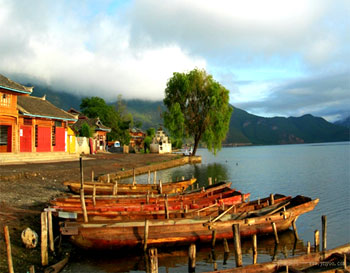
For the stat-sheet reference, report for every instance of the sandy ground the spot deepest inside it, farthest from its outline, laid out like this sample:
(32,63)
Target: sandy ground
(25,190)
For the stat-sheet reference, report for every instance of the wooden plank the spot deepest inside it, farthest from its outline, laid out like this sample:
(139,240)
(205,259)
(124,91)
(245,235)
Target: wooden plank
(237,245)
(44,253)
(51,240)
(8,249)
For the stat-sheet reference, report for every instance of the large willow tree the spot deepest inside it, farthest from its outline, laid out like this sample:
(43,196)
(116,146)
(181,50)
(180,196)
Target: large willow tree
(197,107)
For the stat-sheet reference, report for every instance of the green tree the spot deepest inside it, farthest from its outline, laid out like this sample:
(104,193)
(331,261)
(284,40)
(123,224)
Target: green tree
(197,107)
(148,139)
(96,107)
(86,130)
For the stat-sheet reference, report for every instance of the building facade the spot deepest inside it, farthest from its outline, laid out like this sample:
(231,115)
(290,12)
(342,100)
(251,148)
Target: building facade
(160,143)
(30,124)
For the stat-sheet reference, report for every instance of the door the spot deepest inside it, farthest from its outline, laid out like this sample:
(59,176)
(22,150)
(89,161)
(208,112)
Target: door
(44,139)
(5,138)
(26,139)
(60,140)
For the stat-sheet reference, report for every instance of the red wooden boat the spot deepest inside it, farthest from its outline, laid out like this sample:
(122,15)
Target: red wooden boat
(219,190)
(128,188)
(140,214)
(176,231)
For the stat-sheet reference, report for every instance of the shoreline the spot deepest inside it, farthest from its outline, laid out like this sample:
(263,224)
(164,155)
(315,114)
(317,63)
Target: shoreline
(25,191)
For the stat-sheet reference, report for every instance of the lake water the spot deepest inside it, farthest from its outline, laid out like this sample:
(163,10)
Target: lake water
(315,170)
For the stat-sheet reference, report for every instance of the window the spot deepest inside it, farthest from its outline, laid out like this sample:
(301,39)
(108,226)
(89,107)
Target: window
(27,121)
(58,123)
(5,100)
(53,135)
(3,135)
(36,135)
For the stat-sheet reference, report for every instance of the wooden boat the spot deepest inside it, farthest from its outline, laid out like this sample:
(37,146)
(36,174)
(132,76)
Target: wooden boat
(225,197)
(220,189)
(128,188)
(324,261)
(156,210)
(179,231)
(106,215)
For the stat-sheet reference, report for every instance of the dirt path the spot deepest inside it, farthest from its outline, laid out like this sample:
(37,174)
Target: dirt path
(26,189)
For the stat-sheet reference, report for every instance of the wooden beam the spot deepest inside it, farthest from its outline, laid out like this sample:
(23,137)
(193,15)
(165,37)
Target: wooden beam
(8,249)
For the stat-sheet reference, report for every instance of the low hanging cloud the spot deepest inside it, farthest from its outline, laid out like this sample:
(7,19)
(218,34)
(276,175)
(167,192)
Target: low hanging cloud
(87,57)
(107,48)
(319,96)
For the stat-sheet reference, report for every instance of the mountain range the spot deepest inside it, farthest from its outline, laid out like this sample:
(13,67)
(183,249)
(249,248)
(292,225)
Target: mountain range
(245,128)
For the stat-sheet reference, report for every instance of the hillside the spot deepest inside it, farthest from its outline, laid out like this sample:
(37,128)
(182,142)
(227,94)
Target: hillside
(279,130)
(345,122)
(244,127)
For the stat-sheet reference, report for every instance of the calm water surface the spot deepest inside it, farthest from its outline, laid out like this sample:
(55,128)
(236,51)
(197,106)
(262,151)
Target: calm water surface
(315,170)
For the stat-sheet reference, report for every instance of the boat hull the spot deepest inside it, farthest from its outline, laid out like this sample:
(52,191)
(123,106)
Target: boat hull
(183,231)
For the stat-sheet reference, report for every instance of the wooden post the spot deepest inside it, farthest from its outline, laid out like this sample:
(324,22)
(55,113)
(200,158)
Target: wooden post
(166,206)
(92,176)
(317,240)
(308,248)
(295,230)
(160,187)
(324,232)
(272,199)
(115,188)
(108,178)
(147,197)
(8,249)
(255,248)
(213,238)
(226,248)
(197,186)
(83,206)
(210,181)
(81,173)
(345,265)
(259,201)
(242,197)
(51,240)
(134,176)
(44,254)
(192,258)
(145,238)
(149,177)
(32,269)
(275,232)
(153,256)
(155,177)
(237,245)
(94,195)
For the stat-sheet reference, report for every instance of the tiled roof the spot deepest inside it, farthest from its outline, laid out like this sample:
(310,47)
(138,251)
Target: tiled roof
(92,122)
(6,83)
(39,107)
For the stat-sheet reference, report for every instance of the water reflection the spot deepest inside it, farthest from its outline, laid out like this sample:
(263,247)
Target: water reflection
(176,259)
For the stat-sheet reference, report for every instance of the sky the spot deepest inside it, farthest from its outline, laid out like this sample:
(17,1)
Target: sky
(276,57)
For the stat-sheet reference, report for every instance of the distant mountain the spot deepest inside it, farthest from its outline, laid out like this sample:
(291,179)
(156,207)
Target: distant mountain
(62,100)
(344,122)
(245,128)
(148,112)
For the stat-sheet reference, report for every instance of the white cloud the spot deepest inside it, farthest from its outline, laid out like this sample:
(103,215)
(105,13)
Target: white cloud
(91,57)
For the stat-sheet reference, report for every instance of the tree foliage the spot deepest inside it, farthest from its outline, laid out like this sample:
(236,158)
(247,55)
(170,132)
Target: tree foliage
(86,130)
(197,107)
(96,107)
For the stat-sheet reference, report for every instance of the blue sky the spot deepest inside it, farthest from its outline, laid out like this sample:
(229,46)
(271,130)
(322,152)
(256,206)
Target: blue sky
(277,58)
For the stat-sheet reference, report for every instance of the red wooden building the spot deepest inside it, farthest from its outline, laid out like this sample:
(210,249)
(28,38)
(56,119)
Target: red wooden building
(30,124)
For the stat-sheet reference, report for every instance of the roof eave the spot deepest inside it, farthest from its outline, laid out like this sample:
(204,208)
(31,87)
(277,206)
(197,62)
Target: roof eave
(48,117)
(15,90)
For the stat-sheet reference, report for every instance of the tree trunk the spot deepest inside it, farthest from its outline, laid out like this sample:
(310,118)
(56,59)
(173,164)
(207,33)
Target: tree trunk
(196,142)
